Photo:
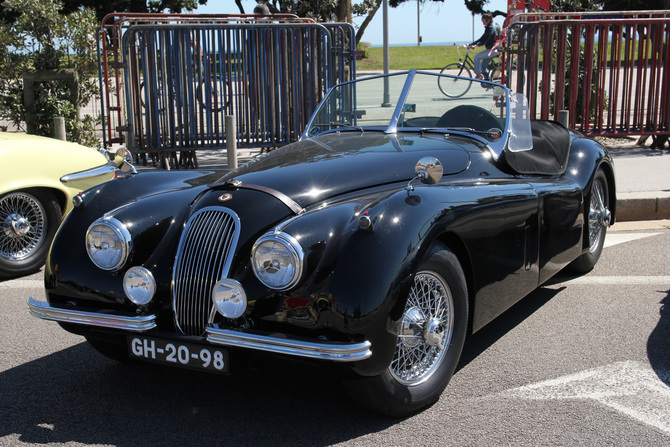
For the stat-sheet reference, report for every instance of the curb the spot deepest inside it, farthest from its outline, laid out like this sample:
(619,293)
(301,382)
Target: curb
(642,206)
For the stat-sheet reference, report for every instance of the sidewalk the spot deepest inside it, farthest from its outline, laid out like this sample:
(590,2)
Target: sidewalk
(642,176)
(643,182)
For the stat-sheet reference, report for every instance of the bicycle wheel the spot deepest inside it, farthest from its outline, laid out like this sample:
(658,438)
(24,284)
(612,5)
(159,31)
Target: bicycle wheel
(208,96)
(495,75)
(455,87)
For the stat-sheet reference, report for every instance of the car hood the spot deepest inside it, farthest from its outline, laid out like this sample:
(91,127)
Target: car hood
(326,166)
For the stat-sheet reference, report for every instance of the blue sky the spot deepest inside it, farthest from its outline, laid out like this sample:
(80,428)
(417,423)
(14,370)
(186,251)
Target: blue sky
(447,21)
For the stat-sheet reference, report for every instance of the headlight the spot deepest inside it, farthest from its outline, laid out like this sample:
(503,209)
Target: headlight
(277,259)
(139,285)
(108,243)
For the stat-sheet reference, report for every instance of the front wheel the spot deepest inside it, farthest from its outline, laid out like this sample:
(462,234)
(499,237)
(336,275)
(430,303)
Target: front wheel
(429,345)
(598,218)
(455,87)
(28,223)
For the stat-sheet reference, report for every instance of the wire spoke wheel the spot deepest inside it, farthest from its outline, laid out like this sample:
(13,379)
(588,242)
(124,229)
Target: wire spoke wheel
(599,217)
(430,337)
(23,225)
(426,330)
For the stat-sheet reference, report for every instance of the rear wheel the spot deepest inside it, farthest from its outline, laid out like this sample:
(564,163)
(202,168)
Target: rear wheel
(430,341)
(495,75)
(597,219)
(455,87)
(28,223)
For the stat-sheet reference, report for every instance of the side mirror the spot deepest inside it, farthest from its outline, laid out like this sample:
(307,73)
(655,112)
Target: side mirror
(122,154)
(123,159)
(429,170)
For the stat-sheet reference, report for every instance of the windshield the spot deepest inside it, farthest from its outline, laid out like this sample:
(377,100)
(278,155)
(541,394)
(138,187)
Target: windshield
(419,101)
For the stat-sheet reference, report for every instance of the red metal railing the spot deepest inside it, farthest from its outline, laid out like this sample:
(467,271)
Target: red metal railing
(609,70)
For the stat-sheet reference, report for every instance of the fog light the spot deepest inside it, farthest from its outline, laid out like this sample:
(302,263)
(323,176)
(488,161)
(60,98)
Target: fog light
(229,298)
(139,285)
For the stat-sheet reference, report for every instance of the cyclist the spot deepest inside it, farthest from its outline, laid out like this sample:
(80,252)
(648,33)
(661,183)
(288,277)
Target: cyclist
(488,40)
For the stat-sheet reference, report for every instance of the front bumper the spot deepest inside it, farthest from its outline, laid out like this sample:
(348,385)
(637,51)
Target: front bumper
(278,344)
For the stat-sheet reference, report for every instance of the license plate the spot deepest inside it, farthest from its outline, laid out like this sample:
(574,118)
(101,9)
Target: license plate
(169,352)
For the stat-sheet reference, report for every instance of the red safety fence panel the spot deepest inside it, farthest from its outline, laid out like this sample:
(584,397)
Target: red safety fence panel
(608,70)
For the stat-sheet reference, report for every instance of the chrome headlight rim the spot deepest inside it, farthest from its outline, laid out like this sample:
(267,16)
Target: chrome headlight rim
(293,246)
(123,235)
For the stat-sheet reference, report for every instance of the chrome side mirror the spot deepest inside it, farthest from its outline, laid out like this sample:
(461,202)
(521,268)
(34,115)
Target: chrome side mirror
(123,159)
(429,170)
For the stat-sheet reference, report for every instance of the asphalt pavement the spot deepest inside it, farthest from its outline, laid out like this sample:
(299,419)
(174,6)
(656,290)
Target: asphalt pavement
(642,179)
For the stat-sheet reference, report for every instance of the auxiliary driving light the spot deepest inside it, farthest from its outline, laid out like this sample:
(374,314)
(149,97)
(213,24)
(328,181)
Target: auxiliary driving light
(229,298)
(139,285)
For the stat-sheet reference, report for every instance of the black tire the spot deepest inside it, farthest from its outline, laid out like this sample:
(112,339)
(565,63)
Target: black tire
(412,383)
(455,87)
(111,350)
(597,220)
(29,220)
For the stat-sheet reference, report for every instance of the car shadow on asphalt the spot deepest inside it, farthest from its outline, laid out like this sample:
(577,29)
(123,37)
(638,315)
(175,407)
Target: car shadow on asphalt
(658,344)
(481,340)
(78,396)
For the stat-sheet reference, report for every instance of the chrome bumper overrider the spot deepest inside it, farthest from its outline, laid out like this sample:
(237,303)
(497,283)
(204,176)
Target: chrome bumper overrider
(327,350)
(46,311)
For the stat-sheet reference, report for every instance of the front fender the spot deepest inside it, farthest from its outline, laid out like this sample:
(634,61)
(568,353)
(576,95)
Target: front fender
(358,278)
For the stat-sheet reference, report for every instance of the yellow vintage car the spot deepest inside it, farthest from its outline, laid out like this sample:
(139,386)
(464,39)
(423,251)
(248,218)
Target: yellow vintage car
(39,176)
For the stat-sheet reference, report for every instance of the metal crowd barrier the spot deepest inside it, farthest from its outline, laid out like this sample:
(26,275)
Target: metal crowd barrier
(178,78)
(609,70)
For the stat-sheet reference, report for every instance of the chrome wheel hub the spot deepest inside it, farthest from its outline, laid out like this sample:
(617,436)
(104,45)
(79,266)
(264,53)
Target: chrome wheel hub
(16,226)
(425,330)
(22,218)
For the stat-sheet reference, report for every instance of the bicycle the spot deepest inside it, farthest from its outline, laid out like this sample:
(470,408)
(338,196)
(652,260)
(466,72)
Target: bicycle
(457,87)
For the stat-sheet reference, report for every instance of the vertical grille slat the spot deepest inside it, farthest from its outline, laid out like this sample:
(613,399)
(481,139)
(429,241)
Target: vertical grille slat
(204,255)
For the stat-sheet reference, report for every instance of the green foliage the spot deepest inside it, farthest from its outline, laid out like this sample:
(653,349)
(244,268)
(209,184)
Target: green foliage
(104,7)
(405,58)
(43,39)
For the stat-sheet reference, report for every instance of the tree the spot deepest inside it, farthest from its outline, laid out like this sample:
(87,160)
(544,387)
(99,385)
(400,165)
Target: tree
(104,7)
(41,38)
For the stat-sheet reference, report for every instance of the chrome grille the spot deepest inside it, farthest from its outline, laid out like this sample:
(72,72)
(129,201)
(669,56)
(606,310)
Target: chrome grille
(205,251)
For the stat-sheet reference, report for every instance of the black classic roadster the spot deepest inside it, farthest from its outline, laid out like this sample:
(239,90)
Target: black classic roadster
(402,221)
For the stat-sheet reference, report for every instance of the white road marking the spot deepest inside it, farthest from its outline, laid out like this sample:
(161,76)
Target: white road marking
(631,388)
(619,238)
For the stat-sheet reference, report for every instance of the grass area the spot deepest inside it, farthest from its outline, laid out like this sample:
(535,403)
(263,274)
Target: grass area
(405,58)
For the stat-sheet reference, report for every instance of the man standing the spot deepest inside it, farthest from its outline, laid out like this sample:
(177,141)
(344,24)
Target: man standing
(488,39)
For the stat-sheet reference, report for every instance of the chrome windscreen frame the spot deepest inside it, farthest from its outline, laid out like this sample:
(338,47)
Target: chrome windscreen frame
(501,95)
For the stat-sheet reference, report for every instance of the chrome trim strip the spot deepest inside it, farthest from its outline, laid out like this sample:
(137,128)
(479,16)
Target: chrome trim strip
(286,200)
(393,124)
(94,172)
(334,351)
(46,311)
